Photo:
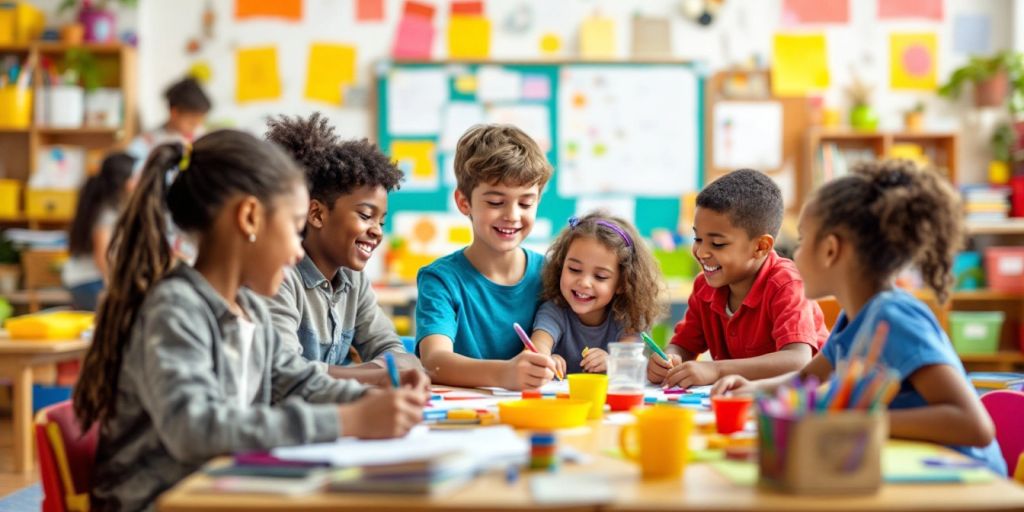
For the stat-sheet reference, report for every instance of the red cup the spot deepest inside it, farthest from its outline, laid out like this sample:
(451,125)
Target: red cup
(731,412)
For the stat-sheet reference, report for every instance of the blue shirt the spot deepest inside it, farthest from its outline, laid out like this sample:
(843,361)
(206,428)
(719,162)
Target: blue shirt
(915,340)
(457,301)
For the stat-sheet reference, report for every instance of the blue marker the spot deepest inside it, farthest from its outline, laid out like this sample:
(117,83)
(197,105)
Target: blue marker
(389,358)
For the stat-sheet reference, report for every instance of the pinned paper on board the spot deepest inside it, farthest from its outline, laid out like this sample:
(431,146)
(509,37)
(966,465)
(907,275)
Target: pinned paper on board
(912,64)
(619,206)
(460,235)
(256,74)
(469,37)
(415,98)
(495,83)
(972,34)
(418,161)
(799,64)
(369,10)
(796,12)
(458,117)
(747,135)
(597,38)
(290,10)
(432,234)
(465,84)
(331,67)
(652,37)
(536,87)
(923,9)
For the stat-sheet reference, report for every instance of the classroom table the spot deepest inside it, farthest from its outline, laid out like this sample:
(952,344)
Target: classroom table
(702,488)
(17,359)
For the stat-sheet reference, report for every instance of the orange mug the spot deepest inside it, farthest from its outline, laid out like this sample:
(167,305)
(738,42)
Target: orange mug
(659,440)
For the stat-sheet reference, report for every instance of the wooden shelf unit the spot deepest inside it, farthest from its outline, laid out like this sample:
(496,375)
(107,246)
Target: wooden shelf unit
(20,146)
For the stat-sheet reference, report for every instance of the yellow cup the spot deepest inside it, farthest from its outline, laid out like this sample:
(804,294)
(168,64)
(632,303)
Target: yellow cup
(592,387)
(659,440)
(15,107)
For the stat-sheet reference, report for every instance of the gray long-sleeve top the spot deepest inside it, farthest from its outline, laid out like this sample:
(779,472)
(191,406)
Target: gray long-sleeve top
(177,404)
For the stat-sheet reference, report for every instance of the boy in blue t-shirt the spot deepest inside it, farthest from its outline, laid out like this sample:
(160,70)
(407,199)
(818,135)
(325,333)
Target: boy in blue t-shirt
(469,299)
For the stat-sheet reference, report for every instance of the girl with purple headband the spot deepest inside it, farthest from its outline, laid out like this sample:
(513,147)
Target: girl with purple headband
(600,284)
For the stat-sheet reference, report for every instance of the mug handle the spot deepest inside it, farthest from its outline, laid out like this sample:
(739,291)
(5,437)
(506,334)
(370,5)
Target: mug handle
(627,442)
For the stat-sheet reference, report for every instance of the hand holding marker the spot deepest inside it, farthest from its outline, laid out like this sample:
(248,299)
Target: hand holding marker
(529,344)
(655,348)
(389,358)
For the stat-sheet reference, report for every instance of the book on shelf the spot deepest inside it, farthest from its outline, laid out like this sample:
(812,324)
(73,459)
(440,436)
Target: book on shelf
(991,381)
(835,161)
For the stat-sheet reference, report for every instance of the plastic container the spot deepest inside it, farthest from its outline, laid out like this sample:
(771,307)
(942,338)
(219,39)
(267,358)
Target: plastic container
(975,332)
(10,198)
(15,107)
(731,412)
(49,326)
(1004,269)
(50,204)
(544,414)
(65,106)
(968,272)
(627,368)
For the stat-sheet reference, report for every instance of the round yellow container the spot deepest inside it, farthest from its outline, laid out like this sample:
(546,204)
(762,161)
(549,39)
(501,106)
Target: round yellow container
(15,107)
(543,414)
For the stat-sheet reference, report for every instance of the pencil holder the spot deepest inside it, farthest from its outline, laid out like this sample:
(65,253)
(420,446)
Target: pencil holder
(15,106)
(834,453)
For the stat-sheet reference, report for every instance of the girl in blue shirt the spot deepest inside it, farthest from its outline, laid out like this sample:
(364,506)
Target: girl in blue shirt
(856,233)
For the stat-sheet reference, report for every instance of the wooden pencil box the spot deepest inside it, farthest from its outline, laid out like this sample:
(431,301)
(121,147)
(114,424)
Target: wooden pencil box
(818,453)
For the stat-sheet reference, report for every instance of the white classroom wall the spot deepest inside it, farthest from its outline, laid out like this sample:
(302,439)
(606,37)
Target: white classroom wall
(743,29)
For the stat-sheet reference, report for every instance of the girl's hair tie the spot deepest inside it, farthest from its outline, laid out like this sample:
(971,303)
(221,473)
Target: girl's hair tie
(186,157)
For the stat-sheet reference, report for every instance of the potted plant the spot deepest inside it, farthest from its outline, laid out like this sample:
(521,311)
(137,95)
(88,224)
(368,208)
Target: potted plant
(992,78)
(97,18)
(913,119)
(10,270)
(862,116)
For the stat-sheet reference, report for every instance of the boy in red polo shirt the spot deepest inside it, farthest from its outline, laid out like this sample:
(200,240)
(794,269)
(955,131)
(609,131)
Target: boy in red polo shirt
(748,306)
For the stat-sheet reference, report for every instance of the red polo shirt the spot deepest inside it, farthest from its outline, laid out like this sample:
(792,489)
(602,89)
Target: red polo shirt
(775,313)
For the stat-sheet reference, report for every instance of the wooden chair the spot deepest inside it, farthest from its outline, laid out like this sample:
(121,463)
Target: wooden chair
(1005,407)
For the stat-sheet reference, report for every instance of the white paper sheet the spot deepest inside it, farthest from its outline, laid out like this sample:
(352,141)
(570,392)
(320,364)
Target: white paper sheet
(748,134)
(497,84)
(534,120)
(416,98)
(458,117)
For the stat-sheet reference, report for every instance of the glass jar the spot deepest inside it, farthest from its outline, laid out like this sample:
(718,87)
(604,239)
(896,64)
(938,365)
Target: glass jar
(627,369)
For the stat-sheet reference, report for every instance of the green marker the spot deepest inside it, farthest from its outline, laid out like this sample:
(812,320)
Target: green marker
(654,347)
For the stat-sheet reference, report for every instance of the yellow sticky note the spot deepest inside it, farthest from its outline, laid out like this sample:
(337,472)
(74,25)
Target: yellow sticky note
(912,61)
(460,235)
(469,37)
(597,38)
(331,66)
(799,64)
(466,84)
(415,159)
(256,74)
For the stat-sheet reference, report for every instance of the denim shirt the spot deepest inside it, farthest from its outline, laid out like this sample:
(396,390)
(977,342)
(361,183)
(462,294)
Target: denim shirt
(177,403)
(322,319)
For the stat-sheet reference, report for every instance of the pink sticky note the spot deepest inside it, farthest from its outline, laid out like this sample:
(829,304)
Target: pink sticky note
(536,88)
(795,12)
(924,9)
(414,38)
(369,10)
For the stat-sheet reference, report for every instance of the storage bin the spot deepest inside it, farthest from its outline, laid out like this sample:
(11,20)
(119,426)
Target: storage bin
(975,332)
(967,271)
(10,199)
(1004,269)
(20,23)
(50,204)
(15,107)
(65,106)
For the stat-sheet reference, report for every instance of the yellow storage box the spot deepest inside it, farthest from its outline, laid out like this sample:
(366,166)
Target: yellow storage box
(50,204)
(58,325)
(10,199)
(20,23)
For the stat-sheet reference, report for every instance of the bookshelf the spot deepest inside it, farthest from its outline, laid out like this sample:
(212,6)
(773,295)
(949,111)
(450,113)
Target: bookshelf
(116,65)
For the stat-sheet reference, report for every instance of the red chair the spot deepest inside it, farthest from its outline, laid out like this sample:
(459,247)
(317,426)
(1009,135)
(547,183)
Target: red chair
(66,458)
(1006,408)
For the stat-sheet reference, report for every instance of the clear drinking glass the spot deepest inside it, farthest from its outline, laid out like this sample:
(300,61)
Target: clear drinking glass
(627,368)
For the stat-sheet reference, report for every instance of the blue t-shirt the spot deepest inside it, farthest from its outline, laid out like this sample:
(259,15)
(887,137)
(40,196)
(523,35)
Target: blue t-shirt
(915,340)
(457,301)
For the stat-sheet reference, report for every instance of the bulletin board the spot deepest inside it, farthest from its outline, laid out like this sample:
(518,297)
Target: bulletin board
(624,136)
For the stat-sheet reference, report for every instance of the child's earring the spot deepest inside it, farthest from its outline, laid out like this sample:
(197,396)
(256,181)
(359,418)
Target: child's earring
(252,238)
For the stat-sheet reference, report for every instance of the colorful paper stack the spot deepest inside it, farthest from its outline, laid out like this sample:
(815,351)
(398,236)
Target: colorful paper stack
(543,451)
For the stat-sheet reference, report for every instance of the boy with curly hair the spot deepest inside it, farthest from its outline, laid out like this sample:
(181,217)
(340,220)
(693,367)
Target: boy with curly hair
(326,306)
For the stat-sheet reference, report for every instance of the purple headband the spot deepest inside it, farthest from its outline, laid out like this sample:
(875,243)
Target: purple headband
(575,221)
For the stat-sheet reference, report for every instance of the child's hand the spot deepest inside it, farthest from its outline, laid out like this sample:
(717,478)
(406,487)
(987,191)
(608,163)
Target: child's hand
(416,380)
(381,413)
(528,370)
(658,368)
(596,361)
(692,373)
(560,365)
(733,384)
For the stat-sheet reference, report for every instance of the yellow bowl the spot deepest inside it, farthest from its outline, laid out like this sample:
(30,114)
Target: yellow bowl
(57,325)
(544,413)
